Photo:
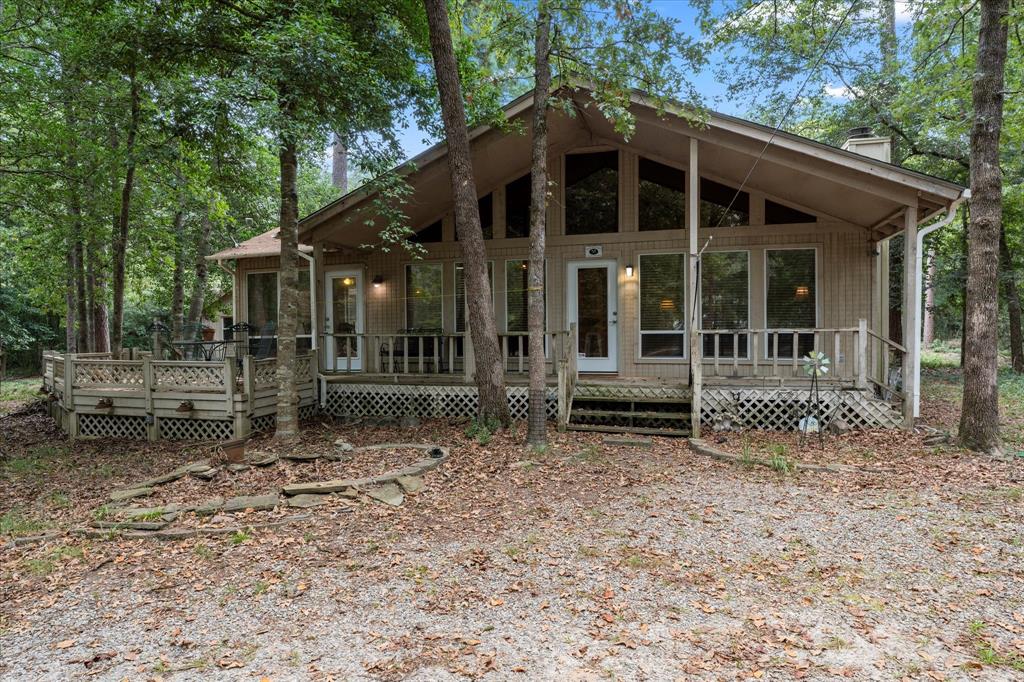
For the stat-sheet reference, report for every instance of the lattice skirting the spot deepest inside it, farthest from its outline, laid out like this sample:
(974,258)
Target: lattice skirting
(112,426)
(781,409)
(267,422)
(173,428)
(377,400)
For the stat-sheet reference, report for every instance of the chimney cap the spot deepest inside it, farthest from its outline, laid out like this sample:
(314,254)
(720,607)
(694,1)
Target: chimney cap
(859,132)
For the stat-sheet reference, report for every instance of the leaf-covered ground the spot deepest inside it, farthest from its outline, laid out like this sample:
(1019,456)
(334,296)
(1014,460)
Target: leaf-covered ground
(595,563)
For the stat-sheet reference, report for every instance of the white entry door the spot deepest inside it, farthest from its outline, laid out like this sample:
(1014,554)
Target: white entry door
(593,304)
(343,303)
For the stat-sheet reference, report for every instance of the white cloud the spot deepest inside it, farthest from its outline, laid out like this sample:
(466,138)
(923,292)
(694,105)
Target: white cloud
(838,91)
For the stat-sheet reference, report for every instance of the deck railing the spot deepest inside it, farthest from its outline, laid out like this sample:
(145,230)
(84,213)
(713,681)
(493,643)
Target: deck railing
(226,389)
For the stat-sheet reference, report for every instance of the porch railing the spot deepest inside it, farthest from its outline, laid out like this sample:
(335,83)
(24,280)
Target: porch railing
(779,353)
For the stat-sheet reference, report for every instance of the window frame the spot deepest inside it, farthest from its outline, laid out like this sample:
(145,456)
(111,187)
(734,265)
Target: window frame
(817,287)
(750,295)
(277,276)
(405,289)
(504,293)
(684,169)
(639,356)
(455,292)
(621,191)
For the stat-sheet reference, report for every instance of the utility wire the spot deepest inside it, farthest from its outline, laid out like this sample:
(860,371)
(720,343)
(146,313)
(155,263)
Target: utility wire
(789,109)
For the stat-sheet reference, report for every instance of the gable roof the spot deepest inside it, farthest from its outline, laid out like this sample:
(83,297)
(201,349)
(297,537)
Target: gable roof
(266,244)
(741,148)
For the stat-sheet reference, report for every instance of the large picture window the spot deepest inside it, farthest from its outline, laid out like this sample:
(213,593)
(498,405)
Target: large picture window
(592,193)
(662,198)
(423,297)
(517,287)
(663,305)
(722,206)
(725,301)
(460,294)
(792,298)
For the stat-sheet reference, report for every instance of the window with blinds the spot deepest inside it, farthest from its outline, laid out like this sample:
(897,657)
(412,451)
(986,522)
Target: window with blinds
(517,207)
(423,299)
(592,193)
(516,292)
(663,305)
(722,206)
(662,198)
(792,299)
(725,301)
(460,294)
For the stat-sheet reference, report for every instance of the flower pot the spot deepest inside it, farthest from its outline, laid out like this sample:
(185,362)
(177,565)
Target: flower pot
(208,333)
(234,450)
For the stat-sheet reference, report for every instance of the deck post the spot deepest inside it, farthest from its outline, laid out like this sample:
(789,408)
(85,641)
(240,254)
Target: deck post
(69,394)
(152,422)
(911,316)
(862,354)
(692,224)
(248,383)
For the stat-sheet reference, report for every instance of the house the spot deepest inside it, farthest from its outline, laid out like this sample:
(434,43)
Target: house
(689,270)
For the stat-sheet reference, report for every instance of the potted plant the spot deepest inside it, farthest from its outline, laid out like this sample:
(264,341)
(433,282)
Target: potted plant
(208,333)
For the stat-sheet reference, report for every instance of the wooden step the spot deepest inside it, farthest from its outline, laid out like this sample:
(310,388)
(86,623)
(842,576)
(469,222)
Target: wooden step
(679,416)
(680,400)
(629,429)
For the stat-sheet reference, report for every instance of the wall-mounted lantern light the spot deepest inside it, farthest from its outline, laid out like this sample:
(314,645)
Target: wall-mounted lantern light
(378,280)
(629,271)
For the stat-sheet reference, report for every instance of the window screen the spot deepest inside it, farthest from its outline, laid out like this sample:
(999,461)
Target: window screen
(725,301)
(592,193)
(423,300)
(663,305)
(261,304)
(777,214)
(662,197)
(517,208)
(715,210)
(791,298)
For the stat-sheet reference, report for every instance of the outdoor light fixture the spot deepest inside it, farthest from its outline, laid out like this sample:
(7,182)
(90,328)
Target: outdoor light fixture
(629,271)
(803,291)
(347,281)
(377,281)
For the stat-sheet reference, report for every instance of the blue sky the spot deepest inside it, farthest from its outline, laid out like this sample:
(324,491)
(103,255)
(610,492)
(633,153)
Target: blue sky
(412,139)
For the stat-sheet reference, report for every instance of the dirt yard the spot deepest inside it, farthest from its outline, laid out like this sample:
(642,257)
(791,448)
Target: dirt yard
(587,562)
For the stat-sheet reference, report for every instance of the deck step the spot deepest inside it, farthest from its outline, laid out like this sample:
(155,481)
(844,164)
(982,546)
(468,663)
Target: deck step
(680,400)
(648,430)
(584,412)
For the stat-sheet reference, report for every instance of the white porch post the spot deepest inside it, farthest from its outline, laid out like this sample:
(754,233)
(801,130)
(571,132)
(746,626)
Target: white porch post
(911,316)
(316,284)
(692,223)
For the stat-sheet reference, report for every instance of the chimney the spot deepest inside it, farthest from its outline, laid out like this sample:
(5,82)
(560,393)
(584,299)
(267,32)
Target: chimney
(864,142)
(339,165)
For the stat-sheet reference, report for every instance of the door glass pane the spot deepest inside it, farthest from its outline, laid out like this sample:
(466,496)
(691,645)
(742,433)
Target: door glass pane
(592,311)
(344,308)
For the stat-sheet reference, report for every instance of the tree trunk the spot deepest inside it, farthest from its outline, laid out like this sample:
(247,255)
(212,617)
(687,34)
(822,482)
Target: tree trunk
(98,302)
(288,395)
(120,242)
(979,413)
(70,338)
(195,308)
(928,334)
(1009,275)
(490,374)
(81,303)
(965,228)
(537,426)
(178,278)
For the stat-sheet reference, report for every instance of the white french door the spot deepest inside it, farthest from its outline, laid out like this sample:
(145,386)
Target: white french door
(593,304)
(343,304)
